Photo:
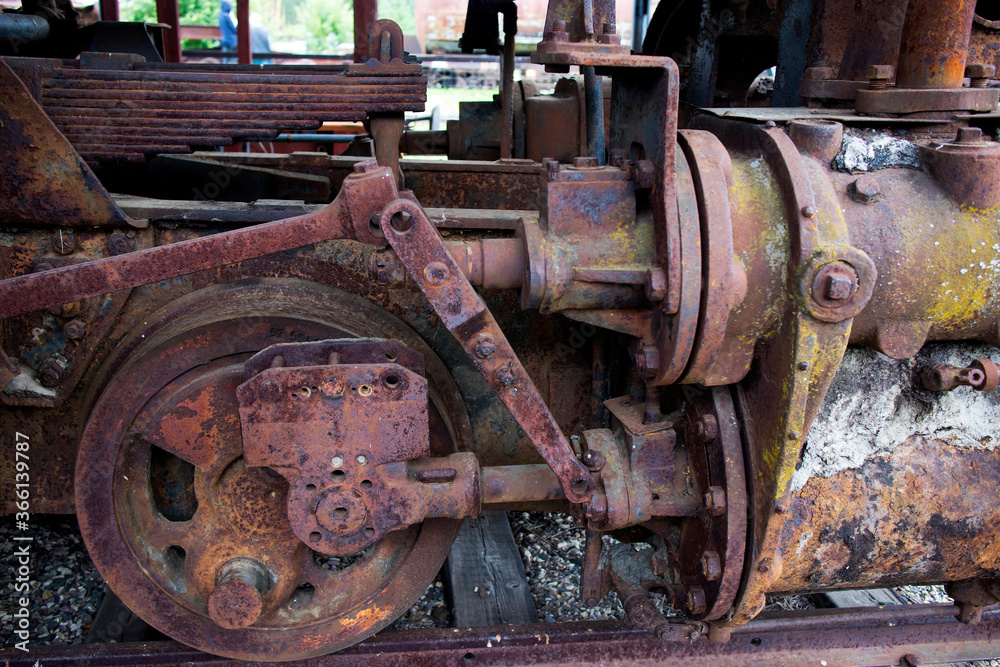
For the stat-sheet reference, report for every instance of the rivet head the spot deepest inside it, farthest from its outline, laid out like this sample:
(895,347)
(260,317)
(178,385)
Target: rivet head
(809,211)
(332,387)
(436,274)
(270,391)
(803,365)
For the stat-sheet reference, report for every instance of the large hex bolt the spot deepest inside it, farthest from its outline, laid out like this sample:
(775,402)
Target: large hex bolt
(647,361)
(237,600)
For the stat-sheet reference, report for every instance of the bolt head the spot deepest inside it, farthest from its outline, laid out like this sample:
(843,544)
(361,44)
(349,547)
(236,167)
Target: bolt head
(436,274)
(969,135)
(838,287)
(585,162)
(821,73)
(711,565)
(707,428)
(593,459)
(74,329)
(715,500)
(694,601)
(51,372)
(980,71)
(656,284)
(270,391)
(879,72)
(834,284)
(119,243)
(63,242)
(865,190)
(764,566)
(647,360)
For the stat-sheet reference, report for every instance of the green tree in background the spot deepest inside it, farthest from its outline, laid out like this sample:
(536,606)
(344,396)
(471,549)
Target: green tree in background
(329,25)
(326,25)
(192,12)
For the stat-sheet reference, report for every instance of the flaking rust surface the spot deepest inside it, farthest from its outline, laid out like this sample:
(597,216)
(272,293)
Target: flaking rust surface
(875,403)
(896,484)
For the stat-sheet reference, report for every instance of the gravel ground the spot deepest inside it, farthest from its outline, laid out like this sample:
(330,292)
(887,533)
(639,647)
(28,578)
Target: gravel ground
(66,589)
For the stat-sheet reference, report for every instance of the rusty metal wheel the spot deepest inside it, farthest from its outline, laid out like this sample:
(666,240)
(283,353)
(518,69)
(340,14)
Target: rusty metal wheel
(175,520)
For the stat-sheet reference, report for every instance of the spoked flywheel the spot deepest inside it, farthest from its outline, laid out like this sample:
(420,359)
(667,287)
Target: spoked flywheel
(196,541)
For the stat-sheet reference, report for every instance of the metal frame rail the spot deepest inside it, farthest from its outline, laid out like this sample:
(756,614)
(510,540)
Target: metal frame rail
(911,635)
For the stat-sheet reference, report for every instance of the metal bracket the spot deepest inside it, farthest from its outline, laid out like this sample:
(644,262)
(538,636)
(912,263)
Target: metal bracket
(422,251)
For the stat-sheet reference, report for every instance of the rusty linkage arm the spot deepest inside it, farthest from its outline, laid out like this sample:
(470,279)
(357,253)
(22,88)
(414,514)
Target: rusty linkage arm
(365,193)
(420,248)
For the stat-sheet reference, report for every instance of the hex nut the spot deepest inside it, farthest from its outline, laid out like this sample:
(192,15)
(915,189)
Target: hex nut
(74,329)
(694,601)
(656,284)
(647,361)
(711,565)
(51,371)
(715,500)
(707,428)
